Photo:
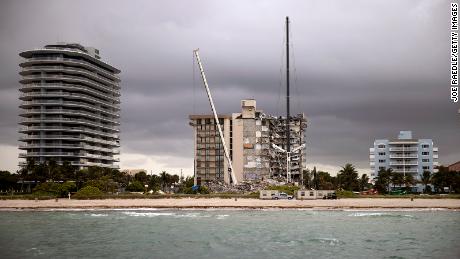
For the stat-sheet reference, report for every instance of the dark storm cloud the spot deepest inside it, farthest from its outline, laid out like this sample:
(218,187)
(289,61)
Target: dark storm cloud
(361,69)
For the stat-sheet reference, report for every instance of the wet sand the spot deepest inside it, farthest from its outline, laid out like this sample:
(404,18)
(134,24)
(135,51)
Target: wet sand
(202,203)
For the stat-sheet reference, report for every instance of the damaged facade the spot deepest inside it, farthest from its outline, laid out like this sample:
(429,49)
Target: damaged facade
(249,136)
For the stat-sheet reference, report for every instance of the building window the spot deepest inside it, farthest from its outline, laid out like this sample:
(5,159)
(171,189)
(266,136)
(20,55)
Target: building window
(425,153)
(426,168)
(382,160)
(425,160)
(381,146)
(381,168)
(425,146)
(382,153)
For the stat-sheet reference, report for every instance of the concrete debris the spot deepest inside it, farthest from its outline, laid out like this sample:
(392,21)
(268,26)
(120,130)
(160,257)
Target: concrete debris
(243,187)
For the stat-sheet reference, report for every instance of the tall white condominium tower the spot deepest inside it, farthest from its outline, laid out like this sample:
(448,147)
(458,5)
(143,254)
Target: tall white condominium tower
(70,106)
(404,155)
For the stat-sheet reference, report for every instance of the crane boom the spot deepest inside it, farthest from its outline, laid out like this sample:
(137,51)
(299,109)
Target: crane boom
(216,118)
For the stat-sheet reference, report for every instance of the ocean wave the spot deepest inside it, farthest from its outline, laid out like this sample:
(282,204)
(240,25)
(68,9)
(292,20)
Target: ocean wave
(223,216)
(166,214)
(147,214)
(379,214)
(97,215)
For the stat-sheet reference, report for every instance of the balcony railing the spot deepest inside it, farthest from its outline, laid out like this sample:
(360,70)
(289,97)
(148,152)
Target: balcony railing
(403,149)
(65,111)
(88,155)
(62,68)
(404,163)
(71,120)
(70,137)
(75,61)
(75,96)
(76,146)
(404,156)
(73,86)
(406,171)
(63,128)
(68,77)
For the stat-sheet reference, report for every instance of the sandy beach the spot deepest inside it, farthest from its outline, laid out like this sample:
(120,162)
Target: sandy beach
(188,203)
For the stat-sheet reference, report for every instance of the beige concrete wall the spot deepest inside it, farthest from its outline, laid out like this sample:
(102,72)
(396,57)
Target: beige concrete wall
(238,159)
(226,132)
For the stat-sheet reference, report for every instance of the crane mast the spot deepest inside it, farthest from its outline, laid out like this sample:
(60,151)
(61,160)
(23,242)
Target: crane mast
(216,118)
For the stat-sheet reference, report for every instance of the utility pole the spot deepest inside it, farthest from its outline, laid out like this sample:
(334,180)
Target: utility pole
(288,126)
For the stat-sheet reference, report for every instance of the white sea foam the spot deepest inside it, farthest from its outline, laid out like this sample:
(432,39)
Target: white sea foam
(378,214)
(330,241)
(222,216)
(147,214)
(366,214)
(98,215)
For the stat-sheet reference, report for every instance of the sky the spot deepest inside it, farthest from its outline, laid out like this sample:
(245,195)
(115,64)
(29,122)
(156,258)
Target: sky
(360,70)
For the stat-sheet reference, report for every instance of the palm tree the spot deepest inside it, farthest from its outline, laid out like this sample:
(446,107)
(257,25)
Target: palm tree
(52,167)
(348,177)
(384,180)
(426,179)
(408,180)
(397,179)
(164,178)
(363,182)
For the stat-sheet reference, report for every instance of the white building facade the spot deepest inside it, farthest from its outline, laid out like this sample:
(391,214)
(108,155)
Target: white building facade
(404,155)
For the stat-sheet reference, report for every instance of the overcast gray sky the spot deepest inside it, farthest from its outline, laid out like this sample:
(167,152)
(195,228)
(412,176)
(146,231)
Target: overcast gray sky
(363,70)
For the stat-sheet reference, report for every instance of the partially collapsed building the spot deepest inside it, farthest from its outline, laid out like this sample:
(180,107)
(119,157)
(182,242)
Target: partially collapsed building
(249,136)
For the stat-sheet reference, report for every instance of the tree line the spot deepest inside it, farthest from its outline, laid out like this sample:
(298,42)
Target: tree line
(51,177)
(347,179)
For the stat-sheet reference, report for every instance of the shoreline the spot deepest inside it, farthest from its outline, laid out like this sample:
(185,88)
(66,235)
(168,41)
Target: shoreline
(232,204)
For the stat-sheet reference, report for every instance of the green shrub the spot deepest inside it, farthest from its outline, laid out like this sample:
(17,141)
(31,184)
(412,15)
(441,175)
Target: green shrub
(54,189)
(135,186)
(346,194)
(88,192)
(95,183)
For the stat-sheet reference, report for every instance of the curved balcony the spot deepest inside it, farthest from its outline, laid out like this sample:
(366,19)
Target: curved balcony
(50,51)
(116,100)
(39,103)
(70,146)
(68,154)
(69,78)
(55,154)
(70,70)
(70,137)
(101,141)
(65,128)
(66,111)
(79,96)
(68,61)
(32,111)
(28,121)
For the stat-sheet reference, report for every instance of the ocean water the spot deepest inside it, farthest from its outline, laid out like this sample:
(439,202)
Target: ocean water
(149,233)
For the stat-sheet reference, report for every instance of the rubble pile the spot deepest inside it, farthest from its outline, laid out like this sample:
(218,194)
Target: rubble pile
(243,187)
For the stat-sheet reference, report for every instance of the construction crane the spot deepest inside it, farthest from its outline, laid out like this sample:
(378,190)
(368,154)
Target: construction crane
(233,179)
